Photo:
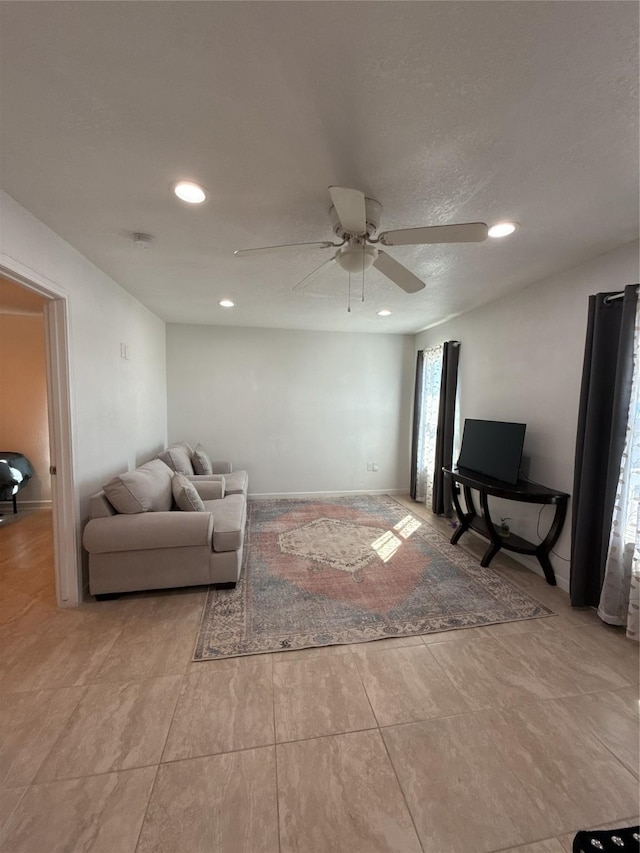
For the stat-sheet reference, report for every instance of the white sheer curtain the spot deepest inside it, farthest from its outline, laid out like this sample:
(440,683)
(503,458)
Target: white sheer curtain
(431,378)
(619,601)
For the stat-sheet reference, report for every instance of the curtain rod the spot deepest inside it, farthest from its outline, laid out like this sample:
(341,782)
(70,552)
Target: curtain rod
(613,296)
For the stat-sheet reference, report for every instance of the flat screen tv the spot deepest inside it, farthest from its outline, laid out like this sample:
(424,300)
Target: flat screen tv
(492,448)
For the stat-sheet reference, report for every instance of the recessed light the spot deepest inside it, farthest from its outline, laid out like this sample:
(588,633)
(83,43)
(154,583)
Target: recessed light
(188,191)
(227,303)
(502,229)
(384,313)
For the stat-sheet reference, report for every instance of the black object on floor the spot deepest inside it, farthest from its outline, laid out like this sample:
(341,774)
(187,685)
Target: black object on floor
(626,840)
(15,472)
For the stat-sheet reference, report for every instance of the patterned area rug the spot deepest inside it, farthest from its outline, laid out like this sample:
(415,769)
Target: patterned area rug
(349,570)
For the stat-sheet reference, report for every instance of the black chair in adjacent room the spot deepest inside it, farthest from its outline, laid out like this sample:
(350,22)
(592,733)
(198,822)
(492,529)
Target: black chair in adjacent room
(15,473)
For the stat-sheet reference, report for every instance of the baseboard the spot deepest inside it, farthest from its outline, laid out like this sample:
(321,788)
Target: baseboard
(264,495)
(26,504)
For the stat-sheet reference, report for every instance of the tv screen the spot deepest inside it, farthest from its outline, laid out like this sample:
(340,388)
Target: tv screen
(493,448)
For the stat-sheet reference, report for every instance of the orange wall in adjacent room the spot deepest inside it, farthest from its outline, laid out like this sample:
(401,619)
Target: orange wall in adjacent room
(23,398)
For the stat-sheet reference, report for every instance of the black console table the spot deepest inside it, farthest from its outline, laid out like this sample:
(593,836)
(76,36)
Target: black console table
(522,491)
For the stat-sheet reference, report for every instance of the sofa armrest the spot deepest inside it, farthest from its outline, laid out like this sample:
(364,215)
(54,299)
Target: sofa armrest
(221,468)
(209,489)
(144,530)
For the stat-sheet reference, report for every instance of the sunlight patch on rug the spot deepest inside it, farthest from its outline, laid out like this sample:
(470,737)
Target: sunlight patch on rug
(349,570)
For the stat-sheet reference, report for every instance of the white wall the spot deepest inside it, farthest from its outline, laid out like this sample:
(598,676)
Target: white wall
(521,360)
(301,411)
(119,407)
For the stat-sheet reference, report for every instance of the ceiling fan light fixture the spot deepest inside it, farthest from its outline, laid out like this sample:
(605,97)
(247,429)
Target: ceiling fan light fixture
(384,313)
(356,257)
(227,303)
(502,229)
(190,192)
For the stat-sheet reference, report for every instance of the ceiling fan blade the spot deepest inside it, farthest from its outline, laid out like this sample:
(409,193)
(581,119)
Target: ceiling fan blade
(313,275)
(265,249)
(469,232)
(349,205)
(398,274)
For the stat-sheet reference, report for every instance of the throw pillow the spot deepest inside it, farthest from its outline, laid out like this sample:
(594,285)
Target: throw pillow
(185,494)
(200,461)
(178,458)
(147,489)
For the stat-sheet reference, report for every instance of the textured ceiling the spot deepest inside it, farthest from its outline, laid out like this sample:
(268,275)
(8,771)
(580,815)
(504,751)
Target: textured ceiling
(443,111)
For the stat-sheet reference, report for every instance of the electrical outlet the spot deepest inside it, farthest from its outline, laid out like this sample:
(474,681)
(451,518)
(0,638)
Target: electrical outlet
(369,466)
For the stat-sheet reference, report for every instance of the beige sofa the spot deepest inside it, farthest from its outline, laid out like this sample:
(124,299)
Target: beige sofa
(138,540)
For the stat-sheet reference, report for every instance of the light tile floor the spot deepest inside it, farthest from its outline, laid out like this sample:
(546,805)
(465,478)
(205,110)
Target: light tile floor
(504,738)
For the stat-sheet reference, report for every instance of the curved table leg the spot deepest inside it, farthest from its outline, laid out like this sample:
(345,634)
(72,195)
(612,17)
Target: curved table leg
(489,554)
(455,491)
(496,540)
(547,568)
(544,548)
(464,518)
(458,533)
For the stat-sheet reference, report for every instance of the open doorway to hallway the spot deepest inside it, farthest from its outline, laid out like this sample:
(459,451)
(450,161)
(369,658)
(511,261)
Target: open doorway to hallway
(27,564)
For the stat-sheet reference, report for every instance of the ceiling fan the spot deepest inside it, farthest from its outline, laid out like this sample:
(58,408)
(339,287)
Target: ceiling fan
(355,219)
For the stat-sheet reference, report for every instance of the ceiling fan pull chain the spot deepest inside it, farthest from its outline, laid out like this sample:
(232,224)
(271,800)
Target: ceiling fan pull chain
(363,272)
(349,305)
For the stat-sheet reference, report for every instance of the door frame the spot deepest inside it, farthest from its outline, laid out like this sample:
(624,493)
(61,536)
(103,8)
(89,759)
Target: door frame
(65,503)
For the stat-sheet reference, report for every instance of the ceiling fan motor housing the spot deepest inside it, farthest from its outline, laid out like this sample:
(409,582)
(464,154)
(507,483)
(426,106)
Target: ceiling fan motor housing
(373,212)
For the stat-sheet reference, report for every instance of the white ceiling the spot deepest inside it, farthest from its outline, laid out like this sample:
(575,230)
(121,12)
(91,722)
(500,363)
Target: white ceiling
(443,111)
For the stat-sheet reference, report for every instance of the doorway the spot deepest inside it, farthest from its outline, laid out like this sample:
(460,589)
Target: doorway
(54,302)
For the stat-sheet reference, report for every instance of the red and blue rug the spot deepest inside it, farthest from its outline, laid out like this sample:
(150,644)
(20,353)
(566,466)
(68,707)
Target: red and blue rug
(349,570)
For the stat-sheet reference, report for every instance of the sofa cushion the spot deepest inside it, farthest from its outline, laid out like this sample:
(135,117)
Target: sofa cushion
(185,494)
(200,461)
(229,517)
(178,458)
(147,489)
(207,487)
(149,532)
